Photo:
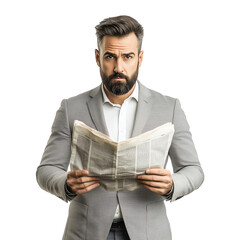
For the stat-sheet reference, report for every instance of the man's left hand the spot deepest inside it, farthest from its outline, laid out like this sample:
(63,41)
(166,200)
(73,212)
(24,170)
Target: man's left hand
(157,180)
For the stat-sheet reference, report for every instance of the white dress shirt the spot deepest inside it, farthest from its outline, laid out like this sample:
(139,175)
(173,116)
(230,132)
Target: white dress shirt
(120,120)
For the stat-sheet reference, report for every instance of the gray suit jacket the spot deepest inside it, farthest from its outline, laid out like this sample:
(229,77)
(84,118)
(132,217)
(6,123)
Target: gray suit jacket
(91,214)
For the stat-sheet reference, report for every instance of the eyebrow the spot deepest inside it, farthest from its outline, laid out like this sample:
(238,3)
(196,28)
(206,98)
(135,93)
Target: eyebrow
(131,53)
(114,55)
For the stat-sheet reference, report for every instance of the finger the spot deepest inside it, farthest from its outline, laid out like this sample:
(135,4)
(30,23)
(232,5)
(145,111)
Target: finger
(156,190)
(154,184)
(158,171)
(86,179)
(82,172)
(77,173)
(76,182)
(87,189)
(84,185)
(155,178)
(79,186)
(150,177)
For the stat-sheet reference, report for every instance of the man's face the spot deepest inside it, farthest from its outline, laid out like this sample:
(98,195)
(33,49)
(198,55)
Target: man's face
(119,61)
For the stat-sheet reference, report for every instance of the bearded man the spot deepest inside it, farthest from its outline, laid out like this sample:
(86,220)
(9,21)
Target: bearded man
(121,107)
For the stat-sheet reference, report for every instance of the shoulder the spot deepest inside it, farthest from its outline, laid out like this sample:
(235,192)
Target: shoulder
(85,96)
(77,107)
(156,97)
(79,102)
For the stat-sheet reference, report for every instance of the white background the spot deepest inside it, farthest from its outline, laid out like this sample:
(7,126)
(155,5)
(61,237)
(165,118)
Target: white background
(192,52)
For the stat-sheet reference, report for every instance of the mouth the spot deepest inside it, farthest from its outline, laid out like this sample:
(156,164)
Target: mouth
(119,79)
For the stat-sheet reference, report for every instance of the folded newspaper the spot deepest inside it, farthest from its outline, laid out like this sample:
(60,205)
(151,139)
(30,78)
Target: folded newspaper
(119,163)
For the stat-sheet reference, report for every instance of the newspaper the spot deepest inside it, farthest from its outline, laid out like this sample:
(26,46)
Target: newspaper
(119,163)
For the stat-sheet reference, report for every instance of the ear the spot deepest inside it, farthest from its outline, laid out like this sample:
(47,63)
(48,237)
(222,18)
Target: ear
(140,57)
(97,57)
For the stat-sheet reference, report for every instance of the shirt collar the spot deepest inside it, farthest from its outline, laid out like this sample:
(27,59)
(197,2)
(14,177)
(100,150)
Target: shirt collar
(133,95)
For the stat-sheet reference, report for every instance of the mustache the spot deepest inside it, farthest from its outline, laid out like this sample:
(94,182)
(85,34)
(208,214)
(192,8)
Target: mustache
(117,75)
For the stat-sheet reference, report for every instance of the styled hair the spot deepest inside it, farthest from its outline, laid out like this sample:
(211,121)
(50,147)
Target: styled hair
(119,26)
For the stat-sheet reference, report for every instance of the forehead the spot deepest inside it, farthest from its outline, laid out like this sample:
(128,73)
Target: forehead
(128,43)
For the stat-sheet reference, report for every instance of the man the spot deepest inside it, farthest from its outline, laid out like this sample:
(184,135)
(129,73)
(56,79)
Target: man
(120,107)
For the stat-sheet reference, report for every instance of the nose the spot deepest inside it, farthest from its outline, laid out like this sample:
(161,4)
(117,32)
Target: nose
(118,68)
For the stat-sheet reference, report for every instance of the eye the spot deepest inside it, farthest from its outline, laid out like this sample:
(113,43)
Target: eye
(128,57)
(109,57)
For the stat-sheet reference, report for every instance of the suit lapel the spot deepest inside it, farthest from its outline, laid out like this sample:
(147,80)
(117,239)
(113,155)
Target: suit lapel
(96,110)
(142,114)
(143,110)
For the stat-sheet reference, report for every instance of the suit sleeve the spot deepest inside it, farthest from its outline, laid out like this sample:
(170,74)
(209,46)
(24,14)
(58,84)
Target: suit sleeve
(52,171)
(188,174)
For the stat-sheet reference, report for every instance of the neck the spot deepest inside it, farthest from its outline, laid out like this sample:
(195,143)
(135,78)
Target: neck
(118,99)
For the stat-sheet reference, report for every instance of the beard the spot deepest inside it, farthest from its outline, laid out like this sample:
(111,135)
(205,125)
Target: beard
(118,87)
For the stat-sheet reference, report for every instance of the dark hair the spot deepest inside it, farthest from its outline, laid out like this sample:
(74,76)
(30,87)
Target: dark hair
(119,26)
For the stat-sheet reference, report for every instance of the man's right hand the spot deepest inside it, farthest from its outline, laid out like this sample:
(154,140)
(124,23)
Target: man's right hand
(79,182)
